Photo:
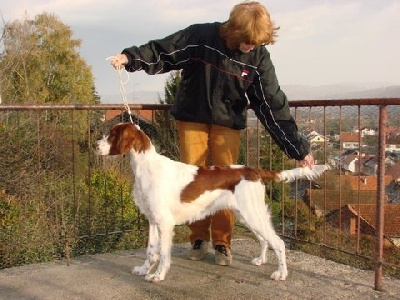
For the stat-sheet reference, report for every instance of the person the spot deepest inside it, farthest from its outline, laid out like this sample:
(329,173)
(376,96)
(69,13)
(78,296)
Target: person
(225,69)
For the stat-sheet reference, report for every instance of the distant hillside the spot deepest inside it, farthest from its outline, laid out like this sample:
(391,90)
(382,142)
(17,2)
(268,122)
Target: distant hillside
(141,97)
(340,91)
(382,92)
(294,92)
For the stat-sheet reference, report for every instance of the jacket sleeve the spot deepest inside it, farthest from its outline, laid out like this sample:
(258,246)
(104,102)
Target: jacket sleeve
(160,56)
(271,107)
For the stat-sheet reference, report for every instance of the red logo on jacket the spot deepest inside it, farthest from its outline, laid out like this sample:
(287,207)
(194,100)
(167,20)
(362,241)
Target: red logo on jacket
(245,73)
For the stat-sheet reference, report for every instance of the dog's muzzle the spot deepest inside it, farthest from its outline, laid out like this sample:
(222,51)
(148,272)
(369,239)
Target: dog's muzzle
(102,147)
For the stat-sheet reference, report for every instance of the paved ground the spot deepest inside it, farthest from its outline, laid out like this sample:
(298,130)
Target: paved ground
(107,276)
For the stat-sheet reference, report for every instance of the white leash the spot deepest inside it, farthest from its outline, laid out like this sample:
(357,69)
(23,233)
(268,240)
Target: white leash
(122,89)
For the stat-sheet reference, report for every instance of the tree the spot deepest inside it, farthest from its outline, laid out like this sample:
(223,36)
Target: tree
(45,169)
(40,64)
(167,134)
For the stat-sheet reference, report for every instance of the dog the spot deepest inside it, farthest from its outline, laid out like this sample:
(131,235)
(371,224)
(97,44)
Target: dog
(172,193)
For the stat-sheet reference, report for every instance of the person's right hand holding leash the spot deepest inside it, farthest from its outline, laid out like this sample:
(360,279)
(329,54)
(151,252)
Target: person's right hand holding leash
(308,161)
(119,60)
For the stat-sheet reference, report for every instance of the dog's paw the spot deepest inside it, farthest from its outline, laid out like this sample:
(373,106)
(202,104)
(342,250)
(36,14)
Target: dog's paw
(154,278)
(258,261)
(279,275)
(139,270)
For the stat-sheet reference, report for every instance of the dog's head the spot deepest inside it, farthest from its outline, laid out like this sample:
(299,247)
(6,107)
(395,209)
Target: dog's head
(123,137)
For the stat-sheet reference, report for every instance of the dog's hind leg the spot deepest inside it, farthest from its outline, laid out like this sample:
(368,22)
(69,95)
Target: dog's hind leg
(166,232)
(151,252)
(278,246)
(250,205)
(262,259)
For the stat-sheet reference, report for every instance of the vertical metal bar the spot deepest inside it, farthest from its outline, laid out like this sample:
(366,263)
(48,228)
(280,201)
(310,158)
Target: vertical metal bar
(89,210)
(325,202)
(270,162)
(296,204)
(258,144)
(247,162)
(358,170)
(75,205)
(310,212)
(380,199)
(283,199)
(340,177)
(38,142)
(67,234)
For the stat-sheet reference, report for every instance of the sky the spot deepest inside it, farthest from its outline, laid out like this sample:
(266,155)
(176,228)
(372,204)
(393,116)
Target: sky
(320,42)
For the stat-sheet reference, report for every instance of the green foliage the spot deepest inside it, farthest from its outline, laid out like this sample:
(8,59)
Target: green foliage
(112,205)
(168,140)
(171,88)
(115,223)
(24,234)
(272,158)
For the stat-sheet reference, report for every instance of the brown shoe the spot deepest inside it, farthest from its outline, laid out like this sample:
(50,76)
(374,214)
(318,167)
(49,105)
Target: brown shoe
(223,256)
(199,249)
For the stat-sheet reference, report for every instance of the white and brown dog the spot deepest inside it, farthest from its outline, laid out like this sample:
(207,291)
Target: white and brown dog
(171,193)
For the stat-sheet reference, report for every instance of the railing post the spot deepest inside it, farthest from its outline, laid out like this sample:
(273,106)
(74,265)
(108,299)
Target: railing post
(380,199)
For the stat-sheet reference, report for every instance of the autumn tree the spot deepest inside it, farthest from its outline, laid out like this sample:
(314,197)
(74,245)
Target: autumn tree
(46,161)
(40,64)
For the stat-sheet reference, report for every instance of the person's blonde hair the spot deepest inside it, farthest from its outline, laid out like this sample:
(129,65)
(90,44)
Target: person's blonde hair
(249,22)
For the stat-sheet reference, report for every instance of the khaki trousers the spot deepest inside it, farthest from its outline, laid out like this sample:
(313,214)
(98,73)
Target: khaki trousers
(203,144)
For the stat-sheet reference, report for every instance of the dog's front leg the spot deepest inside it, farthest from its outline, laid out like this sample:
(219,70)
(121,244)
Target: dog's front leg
(153,247)
(166,232)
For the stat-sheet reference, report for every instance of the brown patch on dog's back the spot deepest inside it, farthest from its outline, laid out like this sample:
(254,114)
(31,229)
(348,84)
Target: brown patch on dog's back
(223,178)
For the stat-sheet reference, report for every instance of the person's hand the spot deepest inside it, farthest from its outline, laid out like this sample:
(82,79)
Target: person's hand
(119,60)
(308,161)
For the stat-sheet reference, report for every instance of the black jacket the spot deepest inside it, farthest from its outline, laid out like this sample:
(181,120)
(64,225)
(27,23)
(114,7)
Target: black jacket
(218,84)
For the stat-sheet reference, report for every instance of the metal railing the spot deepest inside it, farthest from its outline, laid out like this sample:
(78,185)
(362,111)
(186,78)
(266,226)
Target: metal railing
(52,180)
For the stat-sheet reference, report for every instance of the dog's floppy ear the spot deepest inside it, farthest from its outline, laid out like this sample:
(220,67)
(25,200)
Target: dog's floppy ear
(132,137)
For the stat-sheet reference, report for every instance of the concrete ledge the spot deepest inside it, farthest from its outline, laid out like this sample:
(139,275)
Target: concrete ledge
(108,276)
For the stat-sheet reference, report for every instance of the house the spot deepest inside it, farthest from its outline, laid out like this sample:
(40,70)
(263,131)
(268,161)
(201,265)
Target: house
(347,216)
(364,131)
(394,171)
(143,118)
(393,189)
(361,182)
(322,202)
(352,162)
(392,130)
(314,137)
(370,165)
(349,140)
(349,189)
(145,115)
(337,161)
(393,143)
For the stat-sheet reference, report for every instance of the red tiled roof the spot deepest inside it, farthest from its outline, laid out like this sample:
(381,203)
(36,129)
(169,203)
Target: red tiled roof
(111,114)
(394,171)
(391,216)
(393,139)
(349,137)
(392,129)
(329,200)
(366,183)
(146,115)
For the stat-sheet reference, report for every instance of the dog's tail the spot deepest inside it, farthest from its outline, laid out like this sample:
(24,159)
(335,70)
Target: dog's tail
(293,174)
(304,172)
